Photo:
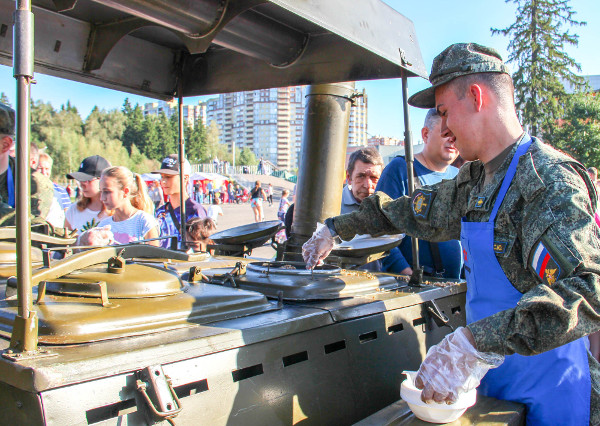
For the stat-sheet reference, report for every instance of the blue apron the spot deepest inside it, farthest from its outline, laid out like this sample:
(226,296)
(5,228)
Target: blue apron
(555,385)
(10,186)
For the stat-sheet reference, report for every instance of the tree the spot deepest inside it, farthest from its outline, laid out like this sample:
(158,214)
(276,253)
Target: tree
(134,121)
(578,133)
(195,143)
(4,99)
(537,45)
(247,158)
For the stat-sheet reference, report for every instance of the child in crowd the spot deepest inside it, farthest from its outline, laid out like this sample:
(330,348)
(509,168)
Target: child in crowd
(125,194)
(214,211)
(89,209)
(284,204)
(199,232)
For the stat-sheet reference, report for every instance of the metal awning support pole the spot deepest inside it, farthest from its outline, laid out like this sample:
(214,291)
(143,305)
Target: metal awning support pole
(25,328)
(183,188)
(417,276)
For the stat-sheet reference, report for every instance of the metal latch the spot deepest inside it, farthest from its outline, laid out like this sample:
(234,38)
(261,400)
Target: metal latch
(435,310)
(157,390)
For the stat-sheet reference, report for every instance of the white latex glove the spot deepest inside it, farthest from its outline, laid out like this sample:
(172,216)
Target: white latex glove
(317,247)
(452,367)
(97,237)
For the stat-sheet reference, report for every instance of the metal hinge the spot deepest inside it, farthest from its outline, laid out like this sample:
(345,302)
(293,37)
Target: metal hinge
(157,390)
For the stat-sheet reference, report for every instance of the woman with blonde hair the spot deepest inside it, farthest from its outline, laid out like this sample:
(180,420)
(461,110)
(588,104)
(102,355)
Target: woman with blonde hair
(89,209)
(125,194)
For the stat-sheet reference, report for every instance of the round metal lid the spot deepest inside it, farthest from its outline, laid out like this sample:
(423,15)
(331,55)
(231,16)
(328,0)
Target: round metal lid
(364,245)
(247,233)
(135,281)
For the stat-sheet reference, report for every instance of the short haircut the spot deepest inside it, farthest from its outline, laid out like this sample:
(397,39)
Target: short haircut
(46,156)
(368,155)
(431,119)
(285,193)
(500,84)
(593,172)
(200,229)
(34,152)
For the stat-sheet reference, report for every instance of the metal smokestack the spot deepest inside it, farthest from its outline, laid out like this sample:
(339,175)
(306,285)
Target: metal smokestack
(322,160)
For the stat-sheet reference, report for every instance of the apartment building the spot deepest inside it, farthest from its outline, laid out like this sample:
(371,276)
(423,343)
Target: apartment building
(192,114)
(267,121)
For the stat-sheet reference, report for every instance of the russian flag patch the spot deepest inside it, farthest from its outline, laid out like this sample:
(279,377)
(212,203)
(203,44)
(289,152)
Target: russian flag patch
(544,265)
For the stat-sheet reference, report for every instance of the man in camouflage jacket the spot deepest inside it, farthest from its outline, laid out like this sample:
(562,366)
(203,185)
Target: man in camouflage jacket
(545,240)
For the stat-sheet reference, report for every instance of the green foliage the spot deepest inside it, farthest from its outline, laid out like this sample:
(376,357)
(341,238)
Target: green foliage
(195,144)
(134,121)
(247,158)
(213,147)
(4,99)
(68,140)
(578,133)
(537,47)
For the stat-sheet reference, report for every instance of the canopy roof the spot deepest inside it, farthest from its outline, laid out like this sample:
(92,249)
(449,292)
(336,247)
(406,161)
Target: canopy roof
(216,46)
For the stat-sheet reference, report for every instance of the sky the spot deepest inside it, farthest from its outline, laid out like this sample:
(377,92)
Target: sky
(438,24)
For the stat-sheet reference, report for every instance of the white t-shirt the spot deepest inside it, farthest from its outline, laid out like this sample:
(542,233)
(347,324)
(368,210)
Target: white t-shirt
(78,219)
(132,229)
(56,215)
(214,211)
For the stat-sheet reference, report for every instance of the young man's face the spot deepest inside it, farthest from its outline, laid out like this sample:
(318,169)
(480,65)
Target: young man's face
(457,118)
(170,183)
(363,179)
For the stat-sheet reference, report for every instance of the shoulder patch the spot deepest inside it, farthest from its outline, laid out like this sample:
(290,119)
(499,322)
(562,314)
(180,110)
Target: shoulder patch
(544,265)
(500,246)
(548,262)
(421,203)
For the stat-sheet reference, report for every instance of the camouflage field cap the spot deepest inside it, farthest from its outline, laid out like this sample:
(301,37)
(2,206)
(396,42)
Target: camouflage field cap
(7,120)
(457,60)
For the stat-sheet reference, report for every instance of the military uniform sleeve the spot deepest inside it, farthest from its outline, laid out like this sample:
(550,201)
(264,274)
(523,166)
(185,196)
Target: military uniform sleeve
(433,213)
(561,257)
(42,194)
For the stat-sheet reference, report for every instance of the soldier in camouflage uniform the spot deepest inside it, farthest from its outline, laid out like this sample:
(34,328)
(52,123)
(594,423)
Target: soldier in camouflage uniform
(42,191)
(524,213)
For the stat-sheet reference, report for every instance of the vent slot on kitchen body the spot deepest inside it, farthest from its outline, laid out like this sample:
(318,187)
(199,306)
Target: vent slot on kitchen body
(100,414)
(395,328)
(419,321)
(367,337)
(295,358)
(191,388)
(246,373)
(334,347)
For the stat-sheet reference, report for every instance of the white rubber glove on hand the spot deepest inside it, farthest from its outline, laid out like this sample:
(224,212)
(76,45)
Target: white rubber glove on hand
(452,367)
(97,237)
(317,247)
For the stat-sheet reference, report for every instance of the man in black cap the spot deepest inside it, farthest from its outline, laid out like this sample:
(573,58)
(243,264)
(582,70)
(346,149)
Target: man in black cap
(169,214)
(42,191)
(524,214)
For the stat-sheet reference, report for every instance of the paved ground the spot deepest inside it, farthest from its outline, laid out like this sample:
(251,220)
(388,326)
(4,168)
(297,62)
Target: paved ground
(242,214)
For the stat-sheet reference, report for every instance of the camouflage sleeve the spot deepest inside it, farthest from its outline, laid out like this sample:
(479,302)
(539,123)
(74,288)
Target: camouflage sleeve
(561,257)
(42,194)
(433,212)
